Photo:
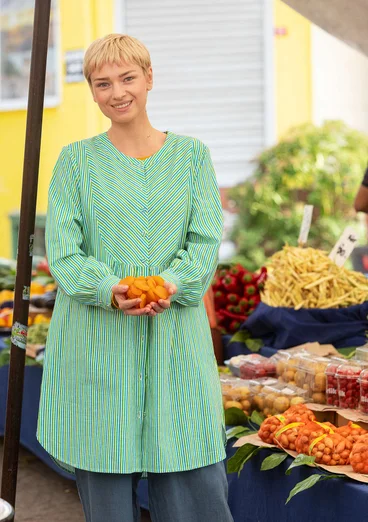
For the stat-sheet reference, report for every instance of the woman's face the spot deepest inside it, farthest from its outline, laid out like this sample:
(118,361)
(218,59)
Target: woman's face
(121,91)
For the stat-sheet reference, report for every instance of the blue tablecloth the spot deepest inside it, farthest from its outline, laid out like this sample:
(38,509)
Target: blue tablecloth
(254,497)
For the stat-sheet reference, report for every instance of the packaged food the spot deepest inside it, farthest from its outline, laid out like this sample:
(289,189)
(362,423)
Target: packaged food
(278,398)
(359,455)
(269,427)
(256,387)
(235,362)
(361,353)
(351,431)
(286,435)
(363,386)
(289,366)
(280,359)
(310,376)
(332,392)
(310,432)
(331,449)
(299,412)
(236,394)
(349,385)
(257,368)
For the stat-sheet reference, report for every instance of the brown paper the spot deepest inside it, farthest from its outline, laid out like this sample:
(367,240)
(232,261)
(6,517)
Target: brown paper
(322,350)
(343,470)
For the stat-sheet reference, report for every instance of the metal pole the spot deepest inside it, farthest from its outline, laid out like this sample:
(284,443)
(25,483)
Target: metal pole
(25,248)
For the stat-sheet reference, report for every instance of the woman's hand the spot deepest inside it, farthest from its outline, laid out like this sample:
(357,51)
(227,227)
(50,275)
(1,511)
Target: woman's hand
(128,305)
(163,304)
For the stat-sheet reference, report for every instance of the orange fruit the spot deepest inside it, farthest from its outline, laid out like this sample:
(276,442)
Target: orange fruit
(142,285)
(151,297)
(161,292)
(158,280)
(136,291)
(127,281)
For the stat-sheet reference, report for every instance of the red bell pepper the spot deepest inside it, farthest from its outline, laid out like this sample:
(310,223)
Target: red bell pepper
(220,299)
(237,270)
(233,298)
(230,284)
(250,290)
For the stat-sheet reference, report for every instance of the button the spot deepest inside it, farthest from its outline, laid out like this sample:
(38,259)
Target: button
(140,377)
(139,415)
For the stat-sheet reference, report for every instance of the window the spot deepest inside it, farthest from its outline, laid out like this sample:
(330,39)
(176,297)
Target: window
(39,242)
(16,29)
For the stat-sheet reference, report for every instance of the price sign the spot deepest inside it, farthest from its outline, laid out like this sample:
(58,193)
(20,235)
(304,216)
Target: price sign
(344,247)
(306,224)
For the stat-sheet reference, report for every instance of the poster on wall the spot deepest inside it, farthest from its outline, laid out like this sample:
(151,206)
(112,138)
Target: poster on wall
(16,28)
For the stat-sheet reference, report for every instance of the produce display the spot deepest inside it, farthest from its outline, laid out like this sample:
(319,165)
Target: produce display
(331,449)
(237,295)
(363,382)
(236,394)
(37,333)
(332,391)
(276,399)
(359,455)
(307,278)
(329,445)
(148,289)
(348,384)
(256,366)
(351,431)
(310,432)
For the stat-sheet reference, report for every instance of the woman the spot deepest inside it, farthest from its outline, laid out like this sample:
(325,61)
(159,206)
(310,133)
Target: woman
(128,392)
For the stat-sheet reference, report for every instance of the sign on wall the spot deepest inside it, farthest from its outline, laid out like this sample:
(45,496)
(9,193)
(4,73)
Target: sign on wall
(74,66)
(16,26)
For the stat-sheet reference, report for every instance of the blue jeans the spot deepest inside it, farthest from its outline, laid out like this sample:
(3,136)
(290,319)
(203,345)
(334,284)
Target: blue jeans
(198,495)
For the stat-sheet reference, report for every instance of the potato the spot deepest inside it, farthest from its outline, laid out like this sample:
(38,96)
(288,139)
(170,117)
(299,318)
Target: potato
(319,382)
(243,391)
(246,405)
(233,404)
(269,400)
(296,400)
(258,403)
(319,398)
(281,404)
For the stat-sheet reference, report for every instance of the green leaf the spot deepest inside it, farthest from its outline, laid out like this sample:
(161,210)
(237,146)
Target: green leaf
(237,432)
(273,461)
(300,460)
(303,485)
(309,483)
(241,457)
(257,418)
(235,417)
(240,336)
(254,345)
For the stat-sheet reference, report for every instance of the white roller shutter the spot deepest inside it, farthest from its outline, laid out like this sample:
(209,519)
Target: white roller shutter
(209,74)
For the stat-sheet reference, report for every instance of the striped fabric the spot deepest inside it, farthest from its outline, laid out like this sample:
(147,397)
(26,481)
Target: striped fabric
(127,394)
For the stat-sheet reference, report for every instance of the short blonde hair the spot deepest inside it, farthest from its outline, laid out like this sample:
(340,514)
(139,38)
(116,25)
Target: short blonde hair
(115,48)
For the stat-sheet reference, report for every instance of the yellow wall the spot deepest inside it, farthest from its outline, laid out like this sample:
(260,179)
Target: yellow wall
(293,68)
(75,118)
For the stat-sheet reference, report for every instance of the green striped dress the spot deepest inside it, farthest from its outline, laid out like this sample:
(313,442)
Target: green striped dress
(127,394)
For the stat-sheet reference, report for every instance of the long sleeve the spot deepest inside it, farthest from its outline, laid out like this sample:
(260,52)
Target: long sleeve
(80,276)
(193,267)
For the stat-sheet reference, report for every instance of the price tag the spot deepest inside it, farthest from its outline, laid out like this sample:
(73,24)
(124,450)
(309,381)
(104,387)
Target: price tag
(344,247)
(306,224)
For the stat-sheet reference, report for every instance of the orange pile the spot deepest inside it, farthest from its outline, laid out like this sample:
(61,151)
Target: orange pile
(148,289)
